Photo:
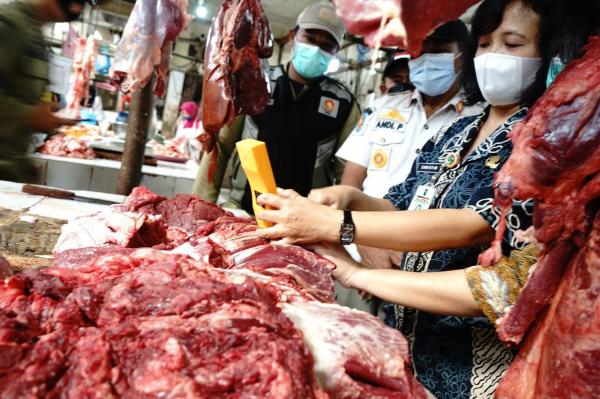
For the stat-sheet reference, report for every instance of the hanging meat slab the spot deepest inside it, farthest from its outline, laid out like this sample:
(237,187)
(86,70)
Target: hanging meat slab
(235,82)
(147,42)
(398,23)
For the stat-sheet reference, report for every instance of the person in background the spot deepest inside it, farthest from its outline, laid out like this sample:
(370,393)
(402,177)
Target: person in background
(24,79)
(443,214)
(309,116)
(396,76)
(188,119)
(380,152)
(55,104)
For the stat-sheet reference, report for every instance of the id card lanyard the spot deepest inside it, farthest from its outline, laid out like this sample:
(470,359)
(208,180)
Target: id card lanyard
(424,197)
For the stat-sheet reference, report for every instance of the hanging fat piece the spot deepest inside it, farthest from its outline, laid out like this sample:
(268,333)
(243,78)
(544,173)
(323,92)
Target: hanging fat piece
(235,82)
(146,44)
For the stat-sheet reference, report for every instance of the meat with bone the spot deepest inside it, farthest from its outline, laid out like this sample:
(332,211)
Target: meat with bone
(84,63)
(401,23)
(146,44)
(234,80)
(65,146)
(556,161)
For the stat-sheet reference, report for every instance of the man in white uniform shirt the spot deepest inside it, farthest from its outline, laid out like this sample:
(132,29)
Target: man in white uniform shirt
(382,148)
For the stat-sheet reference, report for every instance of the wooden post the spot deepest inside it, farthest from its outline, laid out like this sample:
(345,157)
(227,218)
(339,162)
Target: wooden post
(135,141)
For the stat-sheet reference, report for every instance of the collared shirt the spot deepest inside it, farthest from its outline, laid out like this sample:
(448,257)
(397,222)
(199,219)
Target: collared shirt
(458,357)
(390,138)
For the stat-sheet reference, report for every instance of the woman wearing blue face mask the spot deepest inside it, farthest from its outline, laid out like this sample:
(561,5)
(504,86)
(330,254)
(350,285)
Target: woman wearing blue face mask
(446,211)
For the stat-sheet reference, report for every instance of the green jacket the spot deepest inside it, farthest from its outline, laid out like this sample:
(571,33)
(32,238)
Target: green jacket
(23,81)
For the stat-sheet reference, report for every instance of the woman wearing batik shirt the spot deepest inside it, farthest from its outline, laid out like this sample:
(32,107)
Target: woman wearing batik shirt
(447,214)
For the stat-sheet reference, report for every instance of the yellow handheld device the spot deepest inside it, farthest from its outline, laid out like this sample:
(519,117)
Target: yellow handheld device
(255,161)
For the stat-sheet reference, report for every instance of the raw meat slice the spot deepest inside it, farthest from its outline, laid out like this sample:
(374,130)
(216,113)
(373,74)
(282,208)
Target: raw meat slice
(400,23)
(125,229)
(356,356)
(235,234)
(309,271)
(234,80)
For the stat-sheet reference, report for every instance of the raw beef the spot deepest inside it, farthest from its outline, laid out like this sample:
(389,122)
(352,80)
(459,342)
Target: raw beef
(84,64)
(112,227)
(309,272)
(5,269)
(556,161)
(210,318)
(234,80)
(146,44)
(400,23)
(64,146)
(156,326)
(356,356)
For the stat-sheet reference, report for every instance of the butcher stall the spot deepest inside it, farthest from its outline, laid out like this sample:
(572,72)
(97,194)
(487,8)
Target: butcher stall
(175,295)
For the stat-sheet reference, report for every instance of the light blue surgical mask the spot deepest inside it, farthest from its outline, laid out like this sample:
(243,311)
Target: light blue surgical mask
(432,74)
(309,60)
(556,67)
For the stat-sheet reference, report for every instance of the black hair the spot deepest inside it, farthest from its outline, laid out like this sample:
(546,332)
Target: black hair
(486,19)
(394,65)
(576,21)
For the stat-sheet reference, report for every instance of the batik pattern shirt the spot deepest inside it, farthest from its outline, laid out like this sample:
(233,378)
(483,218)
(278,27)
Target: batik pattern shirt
(458,357)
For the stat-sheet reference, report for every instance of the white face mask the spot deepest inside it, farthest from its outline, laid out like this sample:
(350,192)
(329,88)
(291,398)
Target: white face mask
(503,78)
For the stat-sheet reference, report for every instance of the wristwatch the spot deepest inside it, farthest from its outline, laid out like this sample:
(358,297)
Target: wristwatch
(347,228)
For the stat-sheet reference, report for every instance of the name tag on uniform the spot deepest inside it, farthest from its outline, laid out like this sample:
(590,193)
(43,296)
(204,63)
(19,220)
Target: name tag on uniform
(329,106)
(423,198)
(429,167)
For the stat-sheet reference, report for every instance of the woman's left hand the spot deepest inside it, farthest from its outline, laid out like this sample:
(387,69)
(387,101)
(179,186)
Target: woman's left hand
(345,266)
(297,219)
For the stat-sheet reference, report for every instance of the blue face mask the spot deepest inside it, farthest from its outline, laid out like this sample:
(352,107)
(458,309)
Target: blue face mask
(556,67)
(432,74)
(310,61)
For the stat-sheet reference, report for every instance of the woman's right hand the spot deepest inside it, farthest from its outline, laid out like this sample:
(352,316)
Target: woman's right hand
(337,197)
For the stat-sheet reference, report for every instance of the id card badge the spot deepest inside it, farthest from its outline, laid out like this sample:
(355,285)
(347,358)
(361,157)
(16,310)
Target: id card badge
(423,197)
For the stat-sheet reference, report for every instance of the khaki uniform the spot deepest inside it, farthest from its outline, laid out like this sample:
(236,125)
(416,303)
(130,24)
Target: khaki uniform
(23,82)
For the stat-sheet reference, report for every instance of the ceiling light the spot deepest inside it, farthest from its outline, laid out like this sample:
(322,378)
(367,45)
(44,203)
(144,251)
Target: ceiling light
(201,12)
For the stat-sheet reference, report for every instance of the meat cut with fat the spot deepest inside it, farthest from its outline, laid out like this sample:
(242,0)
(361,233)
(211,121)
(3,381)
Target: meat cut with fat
(355,355)
(398,23)
(556,161)
(234,80)
(146,44)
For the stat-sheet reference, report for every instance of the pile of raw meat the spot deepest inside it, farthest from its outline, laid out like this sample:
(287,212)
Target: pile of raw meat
(147,43)
(84,63)
(210,311)
(556,318)
(65,146)
(399,23)
(235,82)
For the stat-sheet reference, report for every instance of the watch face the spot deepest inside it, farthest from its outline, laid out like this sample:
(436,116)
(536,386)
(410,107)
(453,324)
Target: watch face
(347,234)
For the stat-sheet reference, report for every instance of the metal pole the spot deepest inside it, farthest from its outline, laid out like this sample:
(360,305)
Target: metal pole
(135,141)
